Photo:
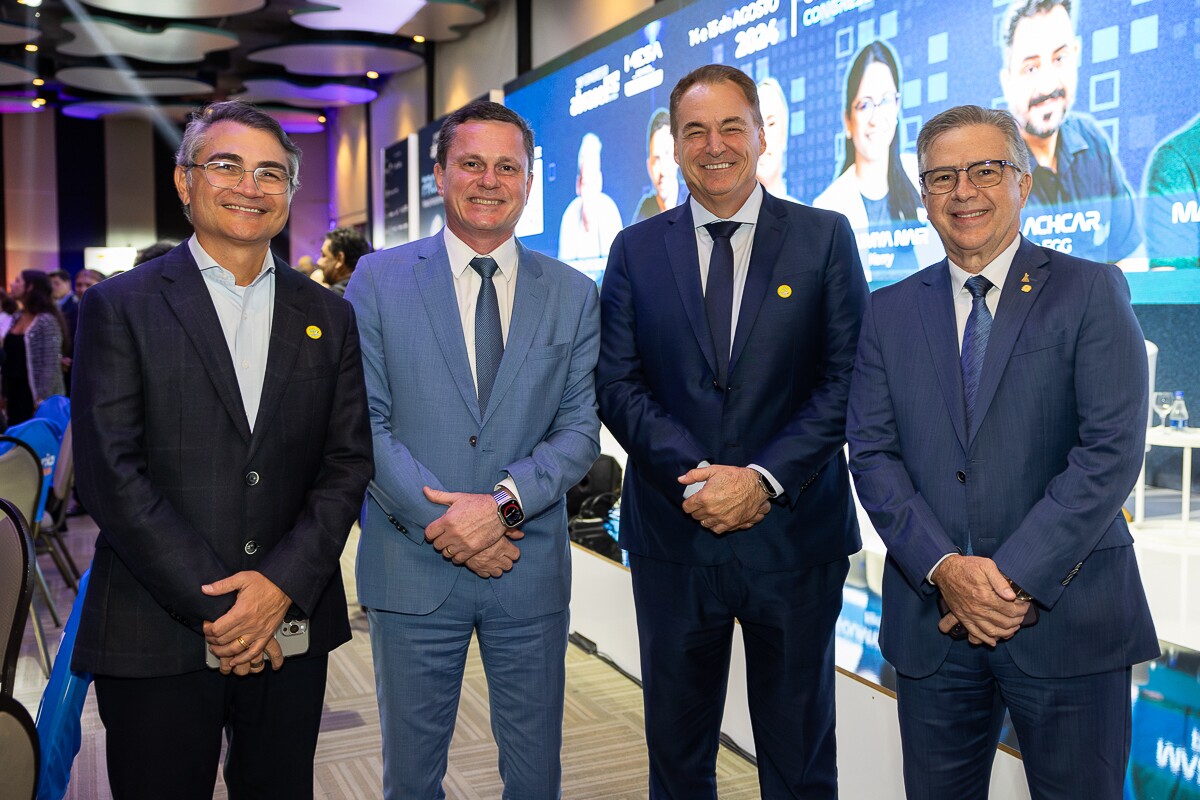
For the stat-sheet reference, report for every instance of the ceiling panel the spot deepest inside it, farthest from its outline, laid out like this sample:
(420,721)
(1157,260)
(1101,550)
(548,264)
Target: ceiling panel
(175,44)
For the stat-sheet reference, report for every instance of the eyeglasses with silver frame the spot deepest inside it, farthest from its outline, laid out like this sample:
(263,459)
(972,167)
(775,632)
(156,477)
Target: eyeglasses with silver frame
(981,174)
(227,175)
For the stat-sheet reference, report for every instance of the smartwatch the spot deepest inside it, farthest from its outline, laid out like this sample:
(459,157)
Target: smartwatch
(508,508)
(767,487)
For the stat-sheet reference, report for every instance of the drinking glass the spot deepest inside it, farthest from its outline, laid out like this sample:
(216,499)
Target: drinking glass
(1162,406)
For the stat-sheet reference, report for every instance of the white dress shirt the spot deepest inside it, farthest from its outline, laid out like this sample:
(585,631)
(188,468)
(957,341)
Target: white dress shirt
(466,292)
(245,313)
(742,243)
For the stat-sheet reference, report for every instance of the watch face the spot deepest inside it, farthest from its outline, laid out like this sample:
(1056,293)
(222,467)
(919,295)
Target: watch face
(511,514)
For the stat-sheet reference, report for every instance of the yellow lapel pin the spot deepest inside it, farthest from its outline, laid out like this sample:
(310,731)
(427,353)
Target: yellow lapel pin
(1025,287)
(784,291)
(313,332)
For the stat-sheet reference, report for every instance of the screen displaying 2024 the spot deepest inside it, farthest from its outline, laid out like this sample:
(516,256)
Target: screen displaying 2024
(1107,91)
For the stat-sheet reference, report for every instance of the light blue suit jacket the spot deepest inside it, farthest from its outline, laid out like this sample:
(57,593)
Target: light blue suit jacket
(1060,426)
(540,426)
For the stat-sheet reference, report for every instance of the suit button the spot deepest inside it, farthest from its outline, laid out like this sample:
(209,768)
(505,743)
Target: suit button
(962,476)
(252,478)
(716,385)
(474,440)
(251,547)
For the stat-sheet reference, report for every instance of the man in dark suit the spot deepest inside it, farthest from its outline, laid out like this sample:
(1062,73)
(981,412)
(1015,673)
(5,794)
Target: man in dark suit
(724,366)
(997,422)
(222,446)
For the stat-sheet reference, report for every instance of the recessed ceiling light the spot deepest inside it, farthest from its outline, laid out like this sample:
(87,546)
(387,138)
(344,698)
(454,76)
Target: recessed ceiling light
(419,39)
(321,119)
(31,48)
(372,74)
(30,3)
(38,82)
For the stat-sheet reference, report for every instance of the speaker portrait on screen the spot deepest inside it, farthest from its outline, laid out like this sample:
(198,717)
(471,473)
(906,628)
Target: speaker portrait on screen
(876,186)
(772,164)
(1081,203)
(1172,207)
(663,192)
(592,220)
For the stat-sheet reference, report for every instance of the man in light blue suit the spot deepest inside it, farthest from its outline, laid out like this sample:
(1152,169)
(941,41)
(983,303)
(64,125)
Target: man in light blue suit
(996,424)
(479,357)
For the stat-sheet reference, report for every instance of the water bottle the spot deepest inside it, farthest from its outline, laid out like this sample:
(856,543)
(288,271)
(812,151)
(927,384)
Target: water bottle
(1178,418)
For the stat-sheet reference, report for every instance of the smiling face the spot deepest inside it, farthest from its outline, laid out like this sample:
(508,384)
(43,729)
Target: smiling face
(718,146)
(485,183)
(775,128)
(871,121)
(1042,73)
(243,217)
(975,224)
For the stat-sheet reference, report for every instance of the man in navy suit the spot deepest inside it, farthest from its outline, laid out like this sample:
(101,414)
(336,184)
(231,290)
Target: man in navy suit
(480,359)
(729,326)
(996,424)
(222,444)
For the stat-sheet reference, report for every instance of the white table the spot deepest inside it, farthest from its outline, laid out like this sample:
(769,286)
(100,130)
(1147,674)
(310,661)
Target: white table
(1169,437)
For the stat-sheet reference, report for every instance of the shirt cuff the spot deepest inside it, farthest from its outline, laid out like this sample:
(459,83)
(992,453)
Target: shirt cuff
(692,488)
(929,577)
(775,485)
(511,486)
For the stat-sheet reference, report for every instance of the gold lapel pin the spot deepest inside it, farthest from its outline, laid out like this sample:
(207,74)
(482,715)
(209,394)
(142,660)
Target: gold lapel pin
(1025,279)
(784,291)
(1026,288)
(313,332)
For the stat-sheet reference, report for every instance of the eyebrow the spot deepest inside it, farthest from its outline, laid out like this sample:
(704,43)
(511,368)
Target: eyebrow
(238,159)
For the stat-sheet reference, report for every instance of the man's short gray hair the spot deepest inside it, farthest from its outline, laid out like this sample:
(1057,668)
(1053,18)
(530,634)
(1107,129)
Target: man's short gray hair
(966,116)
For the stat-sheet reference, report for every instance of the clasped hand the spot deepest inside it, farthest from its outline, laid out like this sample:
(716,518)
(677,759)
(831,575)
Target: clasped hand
(254,619)
(732,498)
(980,597)
(470,533)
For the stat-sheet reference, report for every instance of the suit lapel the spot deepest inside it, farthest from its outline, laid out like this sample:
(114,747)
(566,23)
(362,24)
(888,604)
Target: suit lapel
(287,328)
(685,266)
(436,284)
(1011,314)
(529,308)
(189,299)
(941,333)
(768,241)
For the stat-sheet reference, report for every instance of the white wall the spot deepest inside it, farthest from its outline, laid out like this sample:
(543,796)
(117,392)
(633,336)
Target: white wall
(560,26)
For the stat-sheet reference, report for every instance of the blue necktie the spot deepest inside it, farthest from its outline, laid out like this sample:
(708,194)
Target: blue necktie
(489,339)
(718,293)
(975,342)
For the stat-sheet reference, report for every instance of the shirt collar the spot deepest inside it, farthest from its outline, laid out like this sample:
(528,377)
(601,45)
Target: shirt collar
(995,272)
(747,214)
(460,254)
(206,262)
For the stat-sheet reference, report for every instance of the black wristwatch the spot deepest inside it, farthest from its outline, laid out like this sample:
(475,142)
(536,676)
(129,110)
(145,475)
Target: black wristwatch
(767,487)
(508,508)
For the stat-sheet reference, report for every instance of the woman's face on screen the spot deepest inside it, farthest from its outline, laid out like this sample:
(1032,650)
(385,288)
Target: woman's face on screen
(871,122)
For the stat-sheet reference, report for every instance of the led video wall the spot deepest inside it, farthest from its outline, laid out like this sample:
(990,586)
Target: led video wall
(1106,91)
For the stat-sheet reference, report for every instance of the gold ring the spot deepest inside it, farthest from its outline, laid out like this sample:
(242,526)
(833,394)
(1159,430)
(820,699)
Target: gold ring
(243,643)
(449,553)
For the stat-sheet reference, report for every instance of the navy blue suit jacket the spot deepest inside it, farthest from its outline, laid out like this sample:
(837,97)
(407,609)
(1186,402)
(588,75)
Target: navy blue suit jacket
(1060,425)
(784,407)
(182,490)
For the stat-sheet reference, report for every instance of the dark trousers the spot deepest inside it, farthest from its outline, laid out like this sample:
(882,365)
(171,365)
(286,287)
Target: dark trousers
(164,734)
(685,629)
(1074,733)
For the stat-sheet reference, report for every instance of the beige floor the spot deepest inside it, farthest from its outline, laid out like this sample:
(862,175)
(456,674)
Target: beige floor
(604,755)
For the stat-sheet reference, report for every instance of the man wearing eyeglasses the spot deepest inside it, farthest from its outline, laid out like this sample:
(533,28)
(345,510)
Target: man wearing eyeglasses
(1081,202)
(996,423)
(222,446)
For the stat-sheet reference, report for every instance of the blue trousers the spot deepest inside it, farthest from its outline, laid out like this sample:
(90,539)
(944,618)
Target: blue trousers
(1074,733)
(419,662)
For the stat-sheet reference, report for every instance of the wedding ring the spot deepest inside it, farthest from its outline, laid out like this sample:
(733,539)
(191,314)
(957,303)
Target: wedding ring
(243,643)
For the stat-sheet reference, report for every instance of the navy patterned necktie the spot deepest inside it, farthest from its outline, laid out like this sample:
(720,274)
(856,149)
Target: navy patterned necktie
(489,338)
(718,293)
(975,342)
